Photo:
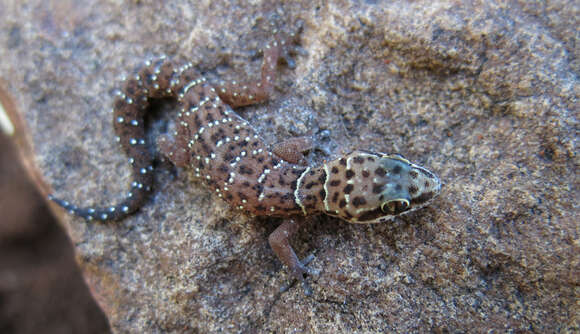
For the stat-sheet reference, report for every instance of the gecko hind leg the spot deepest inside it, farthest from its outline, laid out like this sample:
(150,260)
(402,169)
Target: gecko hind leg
(239,94)
(173,151)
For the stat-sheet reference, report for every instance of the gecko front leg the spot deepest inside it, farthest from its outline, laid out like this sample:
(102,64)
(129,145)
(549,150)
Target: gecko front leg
(292,150)
(280,243)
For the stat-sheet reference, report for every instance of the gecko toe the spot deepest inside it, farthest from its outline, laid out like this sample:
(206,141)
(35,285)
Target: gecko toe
(289,61)
(293,50)
(306,288)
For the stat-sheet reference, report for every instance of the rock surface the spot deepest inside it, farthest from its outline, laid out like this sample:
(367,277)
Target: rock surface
(485,94)
(41,287)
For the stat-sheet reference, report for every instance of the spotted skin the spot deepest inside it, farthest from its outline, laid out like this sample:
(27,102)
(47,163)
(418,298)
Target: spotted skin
(231,158)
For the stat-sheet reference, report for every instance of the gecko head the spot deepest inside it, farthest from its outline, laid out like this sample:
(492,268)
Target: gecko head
(406,186)
(382,186)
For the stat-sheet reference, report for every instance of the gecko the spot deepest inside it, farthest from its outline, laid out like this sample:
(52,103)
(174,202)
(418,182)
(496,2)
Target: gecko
(235,163)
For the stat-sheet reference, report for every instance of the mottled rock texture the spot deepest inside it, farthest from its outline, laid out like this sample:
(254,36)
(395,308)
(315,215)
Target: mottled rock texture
(485,93)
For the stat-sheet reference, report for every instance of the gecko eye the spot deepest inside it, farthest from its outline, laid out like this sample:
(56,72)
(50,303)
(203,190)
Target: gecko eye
(395,206)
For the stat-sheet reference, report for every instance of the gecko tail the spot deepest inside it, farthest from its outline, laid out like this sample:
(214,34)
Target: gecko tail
(157,79)
(132,203)
(139,192)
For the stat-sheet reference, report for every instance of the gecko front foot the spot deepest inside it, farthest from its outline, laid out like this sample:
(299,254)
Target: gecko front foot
(299,274)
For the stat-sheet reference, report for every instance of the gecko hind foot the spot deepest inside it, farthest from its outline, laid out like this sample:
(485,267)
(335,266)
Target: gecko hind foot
(289,45)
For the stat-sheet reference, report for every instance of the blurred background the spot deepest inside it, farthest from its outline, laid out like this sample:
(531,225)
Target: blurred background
(41,288)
